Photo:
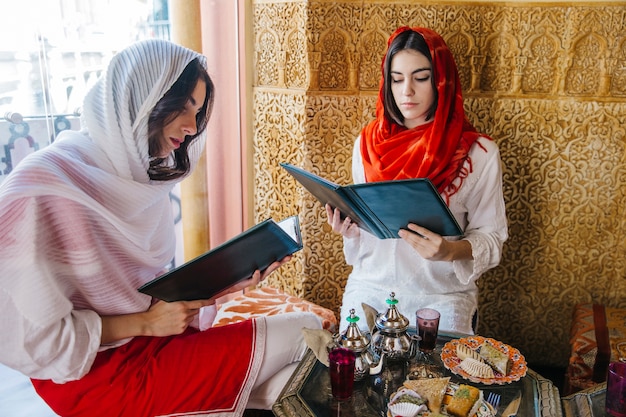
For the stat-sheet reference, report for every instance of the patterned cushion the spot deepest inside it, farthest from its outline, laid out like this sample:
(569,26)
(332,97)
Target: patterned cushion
(267,301)
(597,337)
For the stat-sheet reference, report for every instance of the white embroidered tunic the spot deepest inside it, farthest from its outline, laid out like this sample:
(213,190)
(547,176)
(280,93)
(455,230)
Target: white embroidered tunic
(382,266)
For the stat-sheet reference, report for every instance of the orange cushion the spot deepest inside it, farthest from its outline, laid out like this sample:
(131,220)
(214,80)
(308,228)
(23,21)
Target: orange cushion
(597,337)
(267,301)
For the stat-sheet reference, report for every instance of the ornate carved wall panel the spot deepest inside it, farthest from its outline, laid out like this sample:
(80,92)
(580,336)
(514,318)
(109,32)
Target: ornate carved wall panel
(548,83)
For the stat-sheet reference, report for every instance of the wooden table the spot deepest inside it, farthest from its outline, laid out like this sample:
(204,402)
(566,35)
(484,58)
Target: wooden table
(307,394)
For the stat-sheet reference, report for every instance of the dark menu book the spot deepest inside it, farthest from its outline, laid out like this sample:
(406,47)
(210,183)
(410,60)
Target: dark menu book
(229,263)
(383,208)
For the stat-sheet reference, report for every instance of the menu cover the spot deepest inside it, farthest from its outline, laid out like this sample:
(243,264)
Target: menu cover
(383,208)
(228,263)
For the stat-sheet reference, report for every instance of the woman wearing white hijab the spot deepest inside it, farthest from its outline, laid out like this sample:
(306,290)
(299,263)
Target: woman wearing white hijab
(86,221)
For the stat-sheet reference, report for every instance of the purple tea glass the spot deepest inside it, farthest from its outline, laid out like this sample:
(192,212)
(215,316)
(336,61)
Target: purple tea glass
(341,367)
(616,390)
(427,328)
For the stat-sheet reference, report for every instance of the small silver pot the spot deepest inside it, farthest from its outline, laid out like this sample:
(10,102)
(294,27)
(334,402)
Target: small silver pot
(390,335)
(358,342)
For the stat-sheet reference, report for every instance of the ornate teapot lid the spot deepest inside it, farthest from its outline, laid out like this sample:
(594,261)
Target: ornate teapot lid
(392,320)
(352,338)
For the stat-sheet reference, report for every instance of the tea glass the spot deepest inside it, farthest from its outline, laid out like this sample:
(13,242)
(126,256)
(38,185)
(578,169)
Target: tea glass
(616,390)
(341,363)
(427,328)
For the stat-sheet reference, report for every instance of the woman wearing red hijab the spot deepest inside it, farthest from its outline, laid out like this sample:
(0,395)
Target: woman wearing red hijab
(421,131)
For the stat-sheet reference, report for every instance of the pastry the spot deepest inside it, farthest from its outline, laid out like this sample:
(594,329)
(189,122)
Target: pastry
(406,403)
(464,351)
(431,389)
(477,368)
(498,360)
(463,400)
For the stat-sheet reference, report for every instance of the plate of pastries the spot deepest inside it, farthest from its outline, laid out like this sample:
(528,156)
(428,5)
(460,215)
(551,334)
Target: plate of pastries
(434,397)
(484,360)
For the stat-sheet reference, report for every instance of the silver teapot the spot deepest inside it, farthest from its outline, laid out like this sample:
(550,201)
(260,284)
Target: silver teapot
(390,337)
(352,338)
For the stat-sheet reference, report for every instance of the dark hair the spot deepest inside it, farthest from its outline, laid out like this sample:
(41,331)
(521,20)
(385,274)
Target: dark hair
(406,40)
(166,110)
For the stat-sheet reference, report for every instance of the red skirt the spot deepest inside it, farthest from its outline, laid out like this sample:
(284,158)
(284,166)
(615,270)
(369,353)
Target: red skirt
(197,373)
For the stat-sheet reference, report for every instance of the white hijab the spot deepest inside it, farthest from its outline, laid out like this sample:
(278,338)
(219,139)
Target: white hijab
(116,110)
(82,226)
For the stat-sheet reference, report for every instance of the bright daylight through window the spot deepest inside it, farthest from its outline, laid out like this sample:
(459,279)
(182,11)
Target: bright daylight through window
(51,51)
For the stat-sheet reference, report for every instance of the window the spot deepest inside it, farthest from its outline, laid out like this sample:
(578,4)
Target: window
(52,51)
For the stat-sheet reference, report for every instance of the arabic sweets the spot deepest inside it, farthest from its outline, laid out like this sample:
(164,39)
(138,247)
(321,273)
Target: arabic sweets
(431,389)
(463,401)
(477,368)
(406,403)
(464,351)
(500,361)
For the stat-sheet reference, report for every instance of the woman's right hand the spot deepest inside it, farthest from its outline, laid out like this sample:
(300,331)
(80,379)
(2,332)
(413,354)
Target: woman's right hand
(170,318)
(345,227)
(161,319)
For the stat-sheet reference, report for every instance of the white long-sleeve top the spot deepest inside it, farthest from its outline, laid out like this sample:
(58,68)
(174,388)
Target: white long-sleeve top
(382,266)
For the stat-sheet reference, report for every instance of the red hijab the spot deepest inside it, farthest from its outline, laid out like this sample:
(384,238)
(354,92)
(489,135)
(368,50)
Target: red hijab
(436,150)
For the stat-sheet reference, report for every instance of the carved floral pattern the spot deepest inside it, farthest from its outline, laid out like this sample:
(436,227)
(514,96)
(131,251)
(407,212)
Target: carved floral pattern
(548,83)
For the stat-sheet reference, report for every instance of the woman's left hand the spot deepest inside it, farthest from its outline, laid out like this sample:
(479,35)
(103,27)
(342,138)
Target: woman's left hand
(273,267)
(428,244)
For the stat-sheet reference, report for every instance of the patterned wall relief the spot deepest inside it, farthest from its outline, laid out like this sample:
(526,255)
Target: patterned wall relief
(278,137)
(617,67)
(373,44)
(537,69)
(565,204)
(279,36)
(295,60)
(332,125)
(548,83)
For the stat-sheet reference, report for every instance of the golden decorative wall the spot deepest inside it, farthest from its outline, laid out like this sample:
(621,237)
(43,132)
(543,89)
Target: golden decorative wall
(546,81)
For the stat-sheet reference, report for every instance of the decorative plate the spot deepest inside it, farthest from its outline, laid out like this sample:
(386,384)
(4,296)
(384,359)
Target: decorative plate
(452,362)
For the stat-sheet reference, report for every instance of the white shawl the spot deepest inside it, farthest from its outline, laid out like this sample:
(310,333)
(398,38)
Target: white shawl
(81,224)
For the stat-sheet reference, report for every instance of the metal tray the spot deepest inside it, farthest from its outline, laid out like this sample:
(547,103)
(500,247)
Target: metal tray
(308,394)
